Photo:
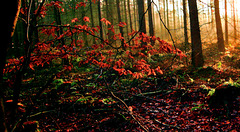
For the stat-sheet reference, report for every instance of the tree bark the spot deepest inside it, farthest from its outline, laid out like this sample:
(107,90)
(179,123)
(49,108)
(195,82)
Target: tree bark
(99,19)
(142,22)
(120,20)
(226,23)
(150,20)
(185,22)
(221,46)
(234,20)
(10,21)
(197,57)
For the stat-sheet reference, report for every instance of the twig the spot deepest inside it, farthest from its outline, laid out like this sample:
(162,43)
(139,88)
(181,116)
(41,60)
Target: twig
(172,126)
(130,112)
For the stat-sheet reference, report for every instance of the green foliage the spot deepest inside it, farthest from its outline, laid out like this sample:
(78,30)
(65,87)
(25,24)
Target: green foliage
(211,92)
(197,107)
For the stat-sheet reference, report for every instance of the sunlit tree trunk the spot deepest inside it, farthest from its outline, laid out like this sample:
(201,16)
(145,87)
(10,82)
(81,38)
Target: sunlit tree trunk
(167,15)
(221,46)
(226,23)
(234,20)
(197,57)
(174,17)
(126,18)
(135,14)
(130,16)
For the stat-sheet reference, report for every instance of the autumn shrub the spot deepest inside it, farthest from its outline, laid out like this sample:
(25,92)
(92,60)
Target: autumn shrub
(75,70)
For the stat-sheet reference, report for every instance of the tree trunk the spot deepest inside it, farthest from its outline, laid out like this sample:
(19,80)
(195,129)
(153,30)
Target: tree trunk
(120,20)
(150,20)
(92,19)
(234,20)
(185,22)
(142,22)
(226,23)
(197,57)
(130,16)
(221,46)
(186,45)
(126,18)
(99,19)
(57,17)
(10,21)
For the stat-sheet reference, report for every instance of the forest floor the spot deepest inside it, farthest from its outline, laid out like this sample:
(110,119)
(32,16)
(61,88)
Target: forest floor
(172,103)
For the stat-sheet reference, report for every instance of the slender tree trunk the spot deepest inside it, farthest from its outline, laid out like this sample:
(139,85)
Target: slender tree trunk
(212,14)
(197,57)
(126,18)
(226,23)
(185,28)
(130,16)
(92,19)
(221,46)
(174,18)
(168,22)
(150,20)
(99,19)
(10,21)
(109,17)
(120,20)
(57,17)
(234,21)
(185,22)
(135,16)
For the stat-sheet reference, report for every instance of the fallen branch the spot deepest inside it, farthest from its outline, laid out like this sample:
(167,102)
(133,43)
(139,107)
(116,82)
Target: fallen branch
(129,111)
(171,126)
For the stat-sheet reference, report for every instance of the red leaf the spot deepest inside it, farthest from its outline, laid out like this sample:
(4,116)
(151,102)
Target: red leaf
(80,4)
(86,19)
(74,20)
(31,66)
(159,70)
(8,101)
(122,24)
(105,21)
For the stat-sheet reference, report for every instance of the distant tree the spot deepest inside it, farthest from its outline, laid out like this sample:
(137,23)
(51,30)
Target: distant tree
(185,22)
(234,20)
(226,23)
(197,57)
(120,20)
(221,46)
